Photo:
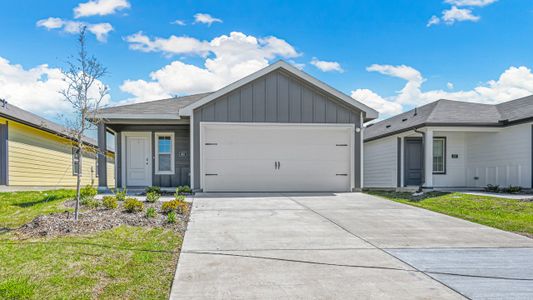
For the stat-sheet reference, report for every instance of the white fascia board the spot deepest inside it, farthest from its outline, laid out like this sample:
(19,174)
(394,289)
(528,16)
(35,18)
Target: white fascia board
(370,113)
(140,116)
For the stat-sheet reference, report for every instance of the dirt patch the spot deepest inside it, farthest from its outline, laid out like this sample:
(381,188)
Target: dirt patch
(94,220)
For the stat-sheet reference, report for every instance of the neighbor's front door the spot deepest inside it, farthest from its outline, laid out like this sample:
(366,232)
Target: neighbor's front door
(414,165)
(138,159)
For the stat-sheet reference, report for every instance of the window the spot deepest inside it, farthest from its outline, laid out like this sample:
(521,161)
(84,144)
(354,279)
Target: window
(76,161)
(439,155)
(164,158)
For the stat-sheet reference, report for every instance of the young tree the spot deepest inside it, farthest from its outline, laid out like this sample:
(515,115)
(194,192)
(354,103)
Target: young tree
(84,92)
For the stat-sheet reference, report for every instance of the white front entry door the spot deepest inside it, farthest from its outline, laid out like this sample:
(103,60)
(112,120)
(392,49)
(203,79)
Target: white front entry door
(276,157)
(138,158)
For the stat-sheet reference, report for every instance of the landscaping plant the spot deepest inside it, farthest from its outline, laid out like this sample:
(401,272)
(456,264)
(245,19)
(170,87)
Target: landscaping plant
(151,189)
(133,205)
(182,190)
(175,205)
(90,203)
(150,212)
(109,202)
(88,191)
(171,217)
(121,194)
(492,188)
(152,196)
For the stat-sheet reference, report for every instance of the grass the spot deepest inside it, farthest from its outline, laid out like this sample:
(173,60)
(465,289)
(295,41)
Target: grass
(506,214)
(122,263)
(19,208)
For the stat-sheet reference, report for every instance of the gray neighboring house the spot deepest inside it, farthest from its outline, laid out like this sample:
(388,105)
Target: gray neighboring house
(452,144)
(278,129)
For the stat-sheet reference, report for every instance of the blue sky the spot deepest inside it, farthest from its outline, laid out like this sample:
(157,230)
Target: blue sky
(391,54)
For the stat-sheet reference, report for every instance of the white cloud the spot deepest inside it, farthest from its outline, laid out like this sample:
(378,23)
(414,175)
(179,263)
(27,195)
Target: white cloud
(449,85)
(513,83)
(100,7)
(384,107)
(100,30)
(479,3)
(434,20)
(326,66)
(227,58)
(179,22)
(35,89)
(455,14)
(206,19)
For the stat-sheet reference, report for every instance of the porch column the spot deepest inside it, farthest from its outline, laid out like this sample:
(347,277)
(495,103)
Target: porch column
(428,159)
(102,159)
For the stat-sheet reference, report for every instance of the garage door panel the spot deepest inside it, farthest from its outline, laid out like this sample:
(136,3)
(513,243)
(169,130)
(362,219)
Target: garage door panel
(241,157)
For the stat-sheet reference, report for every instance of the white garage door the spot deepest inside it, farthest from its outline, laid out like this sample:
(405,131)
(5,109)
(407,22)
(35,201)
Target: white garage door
(276,157)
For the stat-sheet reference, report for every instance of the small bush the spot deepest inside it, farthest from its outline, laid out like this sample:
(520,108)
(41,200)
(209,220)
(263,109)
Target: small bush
(90,202)
(152,189)
(171,217)
(88,191)
(182,190)
(512,189)
(177,205)
(121,194)
(110,202)
(492,188)
(150,212)
(152,196)
(133,205)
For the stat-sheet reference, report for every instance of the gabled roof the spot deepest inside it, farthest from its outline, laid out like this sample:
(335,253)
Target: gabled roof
(370,113)
(20,115)
(174,108)
(158,109)
(453,113)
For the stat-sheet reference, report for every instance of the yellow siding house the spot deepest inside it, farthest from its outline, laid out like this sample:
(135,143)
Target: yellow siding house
(35,152)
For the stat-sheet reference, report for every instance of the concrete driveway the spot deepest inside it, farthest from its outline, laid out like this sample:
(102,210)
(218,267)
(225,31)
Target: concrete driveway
(344,246)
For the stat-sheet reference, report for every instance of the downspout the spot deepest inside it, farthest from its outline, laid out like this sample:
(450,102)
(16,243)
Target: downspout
(423,160)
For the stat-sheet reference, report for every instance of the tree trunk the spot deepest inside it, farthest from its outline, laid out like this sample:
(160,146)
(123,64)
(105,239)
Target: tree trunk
(78,185)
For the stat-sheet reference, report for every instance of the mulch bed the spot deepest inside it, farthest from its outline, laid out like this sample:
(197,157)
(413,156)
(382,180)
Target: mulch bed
(94,220)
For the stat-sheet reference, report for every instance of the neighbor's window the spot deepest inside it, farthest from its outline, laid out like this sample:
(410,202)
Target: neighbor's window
(164,159)
(76,161)
(439,155)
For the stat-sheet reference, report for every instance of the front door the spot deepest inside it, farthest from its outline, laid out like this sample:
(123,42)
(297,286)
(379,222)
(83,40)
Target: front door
(138,159)
(414,165)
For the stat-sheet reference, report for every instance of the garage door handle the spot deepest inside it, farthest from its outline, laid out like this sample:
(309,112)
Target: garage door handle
(275,165)
(211,174)
(279,165)
(341,174)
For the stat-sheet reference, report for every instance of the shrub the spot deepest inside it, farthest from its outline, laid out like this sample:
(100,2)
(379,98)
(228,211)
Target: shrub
(110,202)
(512,189)
(171,217)
(176,205)
(88,191)
(90,202)
(150,212)
(121,194)
(151,189)
(181,190)
(133,205)
(152,196)
(492,188)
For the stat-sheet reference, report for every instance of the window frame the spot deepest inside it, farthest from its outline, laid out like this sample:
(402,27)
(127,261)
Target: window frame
(79,159)
(172,153)
(444,160)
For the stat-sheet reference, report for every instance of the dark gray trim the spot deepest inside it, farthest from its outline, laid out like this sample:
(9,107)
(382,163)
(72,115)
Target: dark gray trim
(399,162)
(4,155)
(445,153)
(118,159)
(531,172)
(101,156)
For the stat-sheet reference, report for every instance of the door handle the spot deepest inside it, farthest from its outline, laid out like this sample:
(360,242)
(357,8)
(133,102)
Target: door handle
(279,165)
(275,165)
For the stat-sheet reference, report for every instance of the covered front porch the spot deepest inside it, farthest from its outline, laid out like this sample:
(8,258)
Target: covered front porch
(462,157)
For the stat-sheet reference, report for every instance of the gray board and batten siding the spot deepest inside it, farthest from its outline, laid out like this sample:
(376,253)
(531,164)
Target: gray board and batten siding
(277,97)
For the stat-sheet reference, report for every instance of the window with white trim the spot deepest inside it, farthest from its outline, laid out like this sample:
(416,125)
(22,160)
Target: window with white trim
(439,155)
(164,153)
(76,161)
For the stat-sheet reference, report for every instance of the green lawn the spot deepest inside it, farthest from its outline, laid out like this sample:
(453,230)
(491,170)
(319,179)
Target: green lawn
(19,208)
(122,263)
(506,214)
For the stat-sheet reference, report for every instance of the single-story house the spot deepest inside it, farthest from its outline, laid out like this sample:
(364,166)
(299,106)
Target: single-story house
(38,153)
(278,129)
(452,144)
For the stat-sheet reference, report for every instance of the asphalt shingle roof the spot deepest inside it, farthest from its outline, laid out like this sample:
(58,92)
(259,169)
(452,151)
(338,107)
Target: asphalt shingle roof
(448,112)
(11,111)
(163,106)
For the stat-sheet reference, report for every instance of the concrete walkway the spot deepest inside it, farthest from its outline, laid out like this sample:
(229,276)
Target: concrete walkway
(344,246)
